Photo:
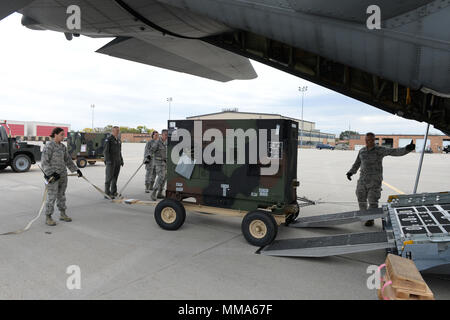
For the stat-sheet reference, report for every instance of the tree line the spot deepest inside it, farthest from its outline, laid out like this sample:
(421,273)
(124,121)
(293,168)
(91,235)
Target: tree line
(108,128)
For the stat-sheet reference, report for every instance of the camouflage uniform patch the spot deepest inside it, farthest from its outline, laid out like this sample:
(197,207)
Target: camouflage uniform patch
(371,174)
(55,158)
(159,159)
(56,193)
(150,168)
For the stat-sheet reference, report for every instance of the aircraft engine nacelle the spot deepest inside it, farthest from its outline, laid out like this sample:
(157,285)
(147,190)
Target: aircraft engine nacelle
(32,24)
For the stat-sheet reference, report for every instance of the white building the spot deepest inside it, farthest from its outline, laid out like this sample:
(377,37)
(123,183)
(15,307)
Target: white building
(310,137)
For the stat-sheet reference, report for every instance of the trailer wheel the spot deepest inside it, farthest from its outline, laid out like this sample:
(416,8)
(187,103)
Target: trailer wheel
(81,163)
(92,162)
(21,163)
(291,218)
(170,214)
(259,228)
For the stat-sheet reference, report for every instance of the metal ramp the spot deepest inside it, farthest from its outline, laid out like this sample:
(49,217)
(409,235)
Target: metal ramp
(329,220)
(331,245)
(328,245)
(414,226)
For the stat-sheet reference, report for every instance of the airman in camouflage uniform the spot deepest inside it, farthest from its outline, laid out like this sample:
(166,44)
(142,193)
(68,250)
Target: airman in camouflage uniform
(370,160)
(55,161)
(158,152)
(150,173)
(113,161)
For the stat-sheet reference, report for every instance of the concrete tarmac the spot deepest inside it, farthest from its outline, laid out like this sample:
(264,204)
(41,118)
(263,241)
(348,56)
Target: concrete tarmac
(123,254)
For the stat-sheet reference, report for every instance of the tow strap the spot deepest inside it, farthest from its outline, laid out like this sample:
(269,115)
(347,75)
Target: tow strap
(306,201)
(129,180)
(97,188)
(44,200)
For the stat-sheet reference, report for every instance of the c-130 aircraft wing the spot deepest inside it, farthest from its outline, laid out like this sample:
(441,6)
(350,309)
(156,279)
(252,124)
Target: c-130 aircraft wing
(401,66)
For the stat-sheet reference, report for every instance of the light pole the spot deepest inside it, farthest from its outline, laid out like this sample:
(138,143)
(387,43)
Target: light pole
(169,100)
(92,107)
(421,159)
(302,90)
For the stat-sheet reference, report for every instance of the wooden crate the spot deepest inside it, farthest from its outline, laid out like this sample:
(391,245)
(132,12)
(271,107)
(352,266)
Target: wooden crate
(407,282)
(392,292)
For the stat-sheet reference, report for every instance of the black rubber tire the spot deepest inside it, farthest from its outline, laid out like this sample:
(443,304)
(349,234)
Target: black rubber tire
(92,162)
(268,220)
(180,212)
(19,161)
(3,167)
(81,163)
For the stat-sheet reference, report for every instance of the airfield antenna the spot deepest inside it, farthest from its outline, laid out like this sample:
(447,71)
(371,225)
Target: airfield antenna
(92,107)
(302,90)
(169,100)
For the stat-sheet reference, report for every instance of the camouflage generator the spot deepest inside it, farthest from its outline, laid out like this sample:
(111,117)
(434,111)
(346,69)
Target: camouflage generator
(245,168)
(86,147)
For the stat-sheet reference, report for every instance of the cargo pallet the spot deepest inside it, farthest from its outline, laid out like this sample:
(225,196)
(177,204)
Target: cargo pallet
(415,226)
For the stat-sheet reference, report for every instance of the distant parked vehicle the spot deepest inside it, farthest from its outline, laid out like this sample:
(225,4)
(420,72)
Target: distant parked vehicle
(86,147)
(342,146)
(321,146)
(19,155)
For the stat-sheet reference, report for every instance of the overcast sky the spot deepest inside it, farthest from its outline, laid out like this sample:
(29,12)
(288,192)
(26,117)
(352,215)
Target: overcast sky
(44,77)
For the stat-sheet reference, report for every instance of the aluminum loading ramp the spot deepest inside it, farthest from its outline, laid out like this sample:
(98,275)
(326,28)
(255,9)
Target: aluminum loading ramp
(329,220)
(414,226)
(328,246)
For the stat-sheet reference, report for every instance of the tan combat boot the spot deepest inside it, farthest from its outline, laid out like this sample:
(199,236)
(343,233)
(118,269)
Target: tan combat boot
(153,196)
(49,221)
(64,217)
